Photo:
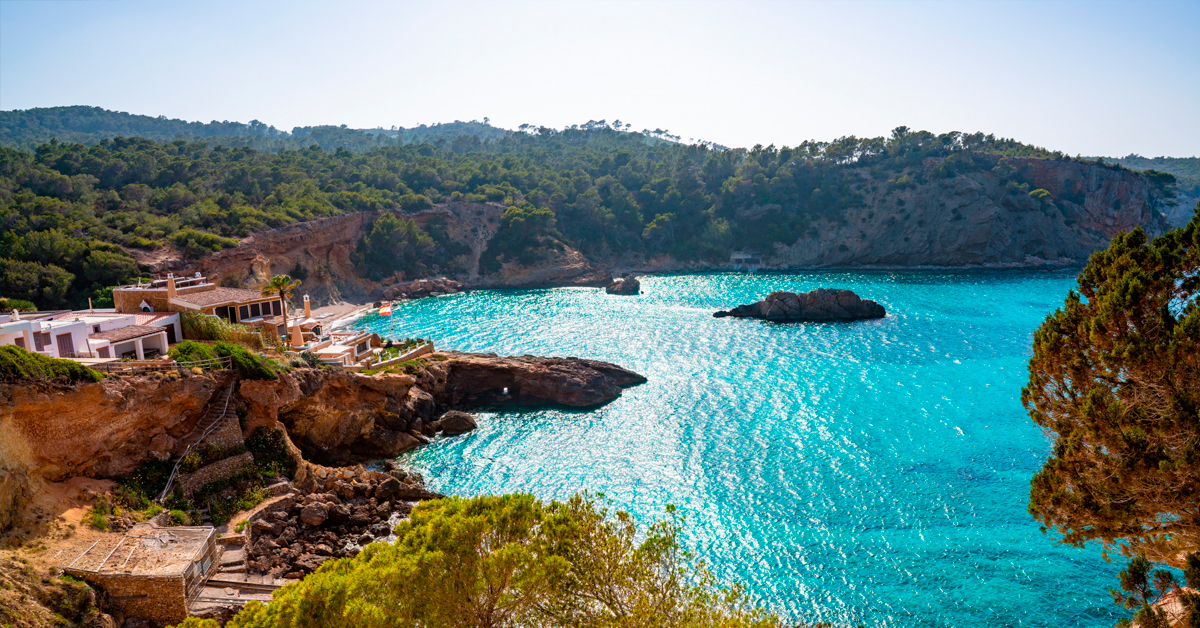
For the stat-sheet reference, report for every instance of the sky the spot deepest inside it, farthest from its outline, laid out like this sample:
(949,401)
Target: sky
(1091,78)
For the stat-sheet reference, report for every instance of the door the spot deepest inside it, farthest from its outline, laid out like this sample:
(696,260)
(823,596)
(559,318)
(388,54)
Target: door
(66,349)
(171,334)
(102,352)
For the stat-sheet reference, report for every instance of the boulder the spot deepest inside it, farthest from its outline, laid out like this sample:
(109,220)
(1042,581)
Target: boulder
(387,489)
(455,422)
(816,306)
(626,285)
(314,514)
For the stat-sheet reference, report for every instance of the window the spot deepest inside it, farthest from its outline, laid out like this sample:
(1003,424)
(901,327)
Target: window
(254,311)
(102,352)
(243,312)
(95,329)
(21,342)
(276,308)
(40,340)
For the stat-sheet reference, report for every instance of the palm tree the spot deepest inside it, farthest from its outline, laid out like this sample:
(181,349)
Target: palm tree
(283,286)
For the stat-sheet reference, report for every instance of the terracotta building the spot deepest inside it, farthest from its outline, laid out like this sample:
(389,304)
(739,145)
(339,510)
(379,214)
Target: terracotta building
(196,293)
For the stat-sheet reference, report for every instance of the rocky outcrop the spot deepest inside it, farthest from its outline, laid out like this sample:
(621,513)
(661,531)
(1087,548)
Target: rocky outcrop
(419,288)
(488,379)
(99,429)
(454,423)
(332,513)
(817,305)
(339,417)
(16,490)
(557,265)
(624,285)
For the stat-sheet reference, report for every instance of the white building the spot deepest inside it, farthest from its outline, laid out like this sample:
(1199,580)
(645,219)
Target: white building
(91,333)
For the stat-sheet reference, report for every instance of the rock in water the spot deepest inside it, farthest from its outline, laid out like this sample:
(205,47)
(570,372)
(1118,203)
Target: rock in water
(627,285)
(818,305)
(455,422)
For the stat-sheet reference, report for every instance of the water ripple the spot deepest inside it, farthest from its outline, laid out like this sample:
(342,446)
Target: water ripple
(872,473)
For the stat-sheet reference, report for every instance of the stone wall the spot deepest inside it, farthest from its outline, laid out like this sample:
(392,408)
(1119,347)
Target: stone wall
(227,434)
(160,599)
(215,472)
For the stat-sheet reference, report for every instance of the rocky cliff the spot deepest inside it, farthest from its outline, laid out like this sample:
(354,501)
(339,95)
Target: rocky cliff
(985,218)
(55,432)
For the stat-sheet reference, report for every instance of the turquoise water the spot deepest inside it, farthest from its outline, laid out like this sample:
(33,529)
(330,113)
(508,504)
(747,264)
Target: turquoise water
(874,472)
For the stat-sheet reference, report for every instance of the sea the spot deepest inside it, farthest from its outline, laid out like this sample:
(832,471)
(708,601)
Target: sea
(871,473)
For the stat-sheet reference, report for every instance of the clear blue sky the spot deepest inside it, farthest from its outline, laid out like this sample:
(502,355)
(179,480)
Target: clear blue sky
(1094,78)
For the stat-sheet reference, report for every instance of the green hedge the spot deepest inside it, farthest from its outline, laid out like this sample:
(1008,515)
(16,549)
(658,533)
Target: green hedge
(17,364)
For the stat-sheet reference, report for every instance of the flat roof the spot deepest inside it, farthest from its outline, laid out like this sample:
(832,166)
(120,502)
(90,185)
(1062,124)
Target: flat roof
(126,333)
(145,550)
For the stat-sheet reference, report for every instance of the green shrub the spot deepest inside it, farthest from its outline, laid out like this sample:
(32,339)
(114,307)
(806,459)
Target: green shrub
(189,351)
(197,326)
(247,364)
(532,563)
(196,243)
(7,305)
(270,450)
(97,520)
(180,518)
(17,364)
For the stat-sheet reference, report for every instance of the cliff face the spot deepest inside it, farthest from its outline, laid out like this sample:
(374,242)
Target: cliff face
(337,418)
(919,217)
(102,429)
(978,219)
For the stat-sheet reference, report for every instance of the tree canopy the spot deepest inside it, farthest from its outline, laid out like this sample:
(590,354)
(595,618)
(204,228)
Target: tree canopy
(1115,379)
(611,193)
(511,560)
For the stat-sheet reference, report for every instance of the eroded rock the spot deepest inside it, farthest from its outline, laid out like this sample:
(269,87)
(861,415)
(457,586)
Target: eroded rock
(815,306)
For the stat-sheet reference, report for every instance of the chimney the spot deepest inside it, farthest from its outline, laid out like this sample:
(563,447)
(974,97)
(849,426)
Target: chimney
(307,308)
(170,286)
(16,316)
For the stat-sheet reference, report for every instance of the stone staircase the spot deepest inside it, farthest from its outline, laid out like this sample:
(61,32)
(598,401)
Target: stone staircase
(217,413)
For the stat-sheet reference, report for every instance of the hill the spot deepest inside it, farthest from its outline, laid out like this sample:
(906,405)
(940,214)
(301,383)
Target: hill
(26,129)
(1186,171)
(77,217)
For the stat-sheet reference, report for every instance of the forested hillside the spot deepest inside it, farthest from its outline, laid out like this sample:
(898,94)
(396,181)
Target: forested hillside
(1186,171)
(26,129)
(71,214)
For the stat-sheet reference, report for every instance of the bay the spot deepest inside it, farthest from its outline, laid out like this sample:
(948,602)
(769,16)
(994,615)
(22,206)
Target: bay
(871,473)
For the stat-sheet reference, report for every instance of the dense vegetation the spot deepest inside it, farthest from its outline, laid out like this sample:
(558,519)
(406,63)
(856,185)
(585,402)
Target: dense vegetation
(1185,169)
(26,129)
(17,364)
(71,214)
(1115,376)
(510,560)
(244,363)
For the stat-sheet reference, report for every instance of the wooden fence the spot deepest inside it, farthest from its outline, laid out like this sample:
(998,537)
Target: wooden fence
(138,367)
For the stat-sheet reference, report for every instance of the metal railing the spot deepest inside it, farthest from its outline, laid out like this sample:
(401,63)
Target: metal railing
(211,426)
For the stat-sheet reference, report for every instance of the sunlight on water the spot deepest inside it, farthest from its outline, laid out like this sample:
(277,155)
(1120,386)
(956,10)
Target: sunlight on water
(874,472)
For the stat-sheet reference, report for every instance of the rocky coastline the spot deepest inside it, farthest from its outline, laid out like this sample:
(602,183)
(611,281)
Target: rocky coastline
(820,305)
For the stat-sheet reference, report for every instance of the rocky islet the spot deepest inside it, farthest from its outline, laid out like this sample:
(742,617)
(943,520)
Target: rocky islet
(820,305)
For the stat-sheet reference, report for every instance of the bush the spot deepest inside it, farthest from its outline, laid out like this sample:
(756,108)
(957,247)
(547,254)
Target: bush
(188,351)
(17,364)
(247,364)
(197,326)
(270,450)
(7,305)
(511,560)
(180,518)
